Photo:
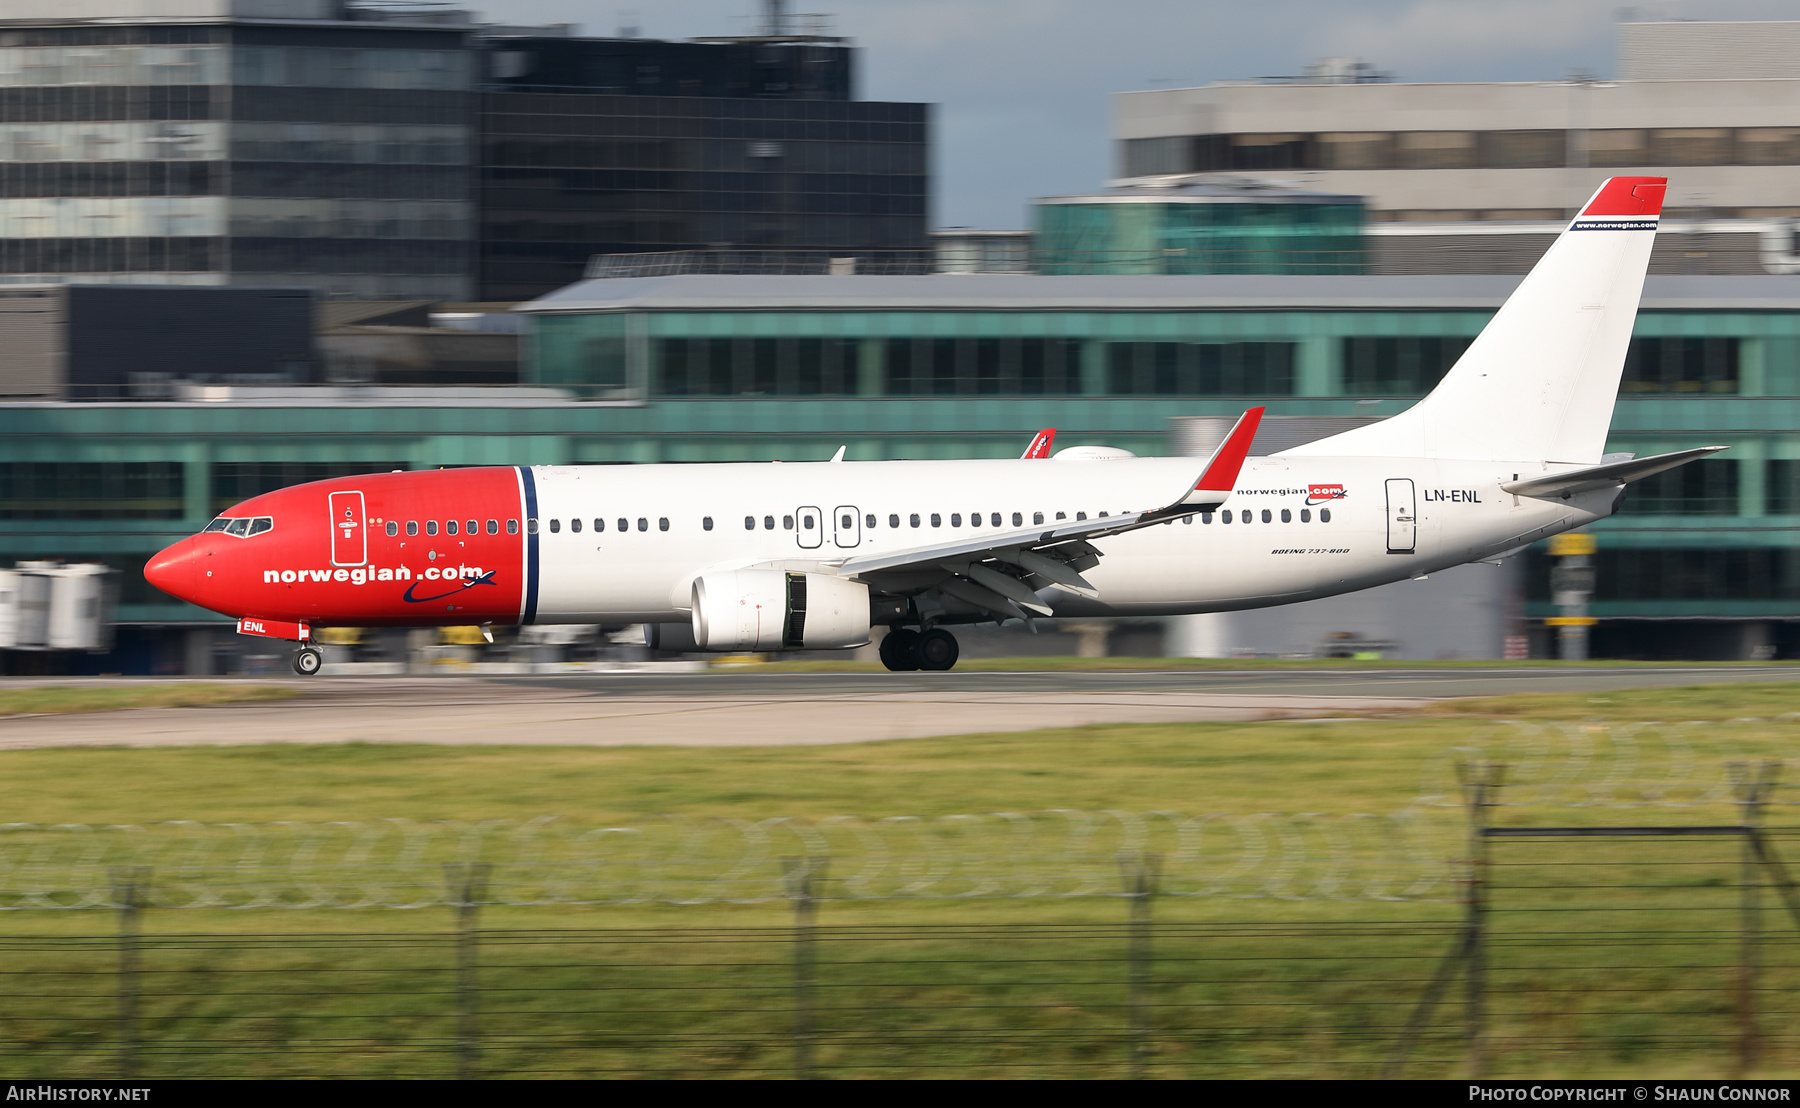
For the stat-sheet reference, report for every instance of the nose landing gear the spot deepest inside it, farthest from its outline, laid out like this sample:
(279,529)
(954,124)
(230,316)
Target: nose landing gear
(307,661)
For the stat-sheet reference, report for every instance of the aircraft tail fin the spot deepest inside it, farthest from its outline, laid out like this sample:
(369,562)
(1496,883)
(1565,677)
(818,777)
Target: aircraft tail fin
(1539,382)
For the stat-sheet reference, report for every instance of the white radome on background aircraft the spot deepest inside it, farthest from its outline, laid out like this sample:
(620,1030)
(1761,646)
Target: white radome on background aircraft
(772,556)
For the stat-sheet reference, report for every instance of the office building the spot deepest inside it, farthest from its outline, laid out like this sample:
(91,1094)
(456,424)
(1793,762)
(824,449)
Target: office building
(246,142)
(1477,177)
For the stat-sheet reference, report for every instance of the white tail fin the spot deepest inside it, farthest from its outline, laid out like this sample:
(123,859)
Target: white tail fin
(1538,383)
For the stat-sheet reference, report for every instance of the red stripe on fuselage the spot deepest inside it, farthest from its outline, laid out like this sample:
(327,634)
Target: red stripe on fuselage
(288,573)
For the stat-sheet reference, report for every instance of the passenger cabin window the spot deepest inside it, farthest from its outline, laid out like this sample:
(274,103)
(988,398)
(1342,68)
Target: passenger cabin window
(555,526)
(393,528)
(531,527)
(1324,515)
(1018,520)
(706,524)
(1267,517)
(1287,516)
(493,527)
(624,524)
(449,527)
(806,522)
(1037,518)
(662,524)
(1187,519)
(749,523)
(994,519)
(956,519)
(431,527)
(1061,515)
(1306,515)
(974,519)
(768,523)
(575,526)
(869,520)
(599,524)
(849,521)
(474,529)
(894,521)
(787,523)
(412,527)
(512,526)
(937,520)
(913,519)
(1080,515)
(643,524)
(1205,517)
(1225,516)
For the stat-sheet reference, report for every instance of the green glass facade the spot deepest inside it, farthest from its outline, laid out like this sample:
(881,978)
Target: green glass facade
(1138,235)
(1722,539)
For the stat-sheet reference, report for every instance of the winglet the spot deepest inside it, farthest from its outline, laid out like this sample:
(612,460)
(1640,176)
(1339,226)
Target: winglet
(1221,473)
(1040,446)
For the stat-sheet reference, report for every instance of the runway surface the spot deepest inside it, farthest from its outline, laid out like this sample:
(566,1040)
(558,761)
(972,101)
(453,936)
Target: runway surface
(782,709)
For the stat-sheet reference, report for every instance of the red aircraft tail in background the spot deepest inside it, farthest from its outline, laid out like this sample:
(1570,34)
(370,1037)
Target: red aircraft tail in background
(1040,446)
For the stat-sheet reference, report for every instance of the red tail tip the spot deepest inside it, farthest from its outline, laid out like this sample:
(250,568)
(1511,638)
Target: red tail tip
(1628,196)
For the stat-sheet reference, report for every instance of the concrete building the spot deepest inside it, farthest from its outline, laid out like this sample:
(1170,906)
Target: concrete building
(1476,177)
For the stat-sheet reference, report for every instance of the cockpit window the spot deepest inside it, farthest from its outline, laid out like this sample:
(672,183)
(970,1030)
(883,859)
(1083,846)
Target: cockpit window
(242,527)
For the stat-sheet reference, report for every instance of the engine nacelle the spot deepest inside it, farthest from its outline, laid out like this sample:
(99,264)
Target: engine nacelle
(766,609)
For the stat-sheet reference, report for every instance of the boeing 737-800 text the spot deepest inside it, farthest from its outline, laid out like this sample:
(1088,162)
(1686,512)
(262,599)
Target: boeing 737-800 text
(771,556)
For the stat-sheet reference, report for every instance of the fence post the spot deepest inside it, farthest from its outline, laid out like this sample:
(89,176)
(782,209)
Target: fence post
(1141,873)
(804,877)
(1752,794)
(130,884)
(1481,787)
(467,884)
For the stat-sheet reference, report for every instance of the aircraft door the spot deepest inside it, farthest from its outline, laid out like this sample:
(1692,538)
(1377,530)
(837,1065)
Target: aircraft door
(349,530)
(1402,517)
(809,527)
(846,526)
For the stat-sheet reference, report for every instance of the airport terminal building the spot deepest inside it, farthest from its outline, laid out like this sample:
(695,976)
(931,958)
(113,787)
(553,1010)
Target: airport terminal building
(698,368)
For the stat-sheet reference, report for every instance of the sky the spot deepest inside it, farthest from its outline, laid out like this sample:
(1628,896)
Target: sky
(1023,87)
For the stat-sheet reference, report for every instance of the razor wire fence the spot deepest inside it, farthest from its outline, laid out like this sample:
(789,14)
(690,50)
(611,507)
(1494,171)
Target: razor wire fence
(1403,856)
(1613,896)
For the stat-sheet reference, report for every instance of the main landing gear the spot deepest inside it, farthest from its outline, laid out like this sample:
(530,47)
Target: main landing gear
(307,661)
(906,649)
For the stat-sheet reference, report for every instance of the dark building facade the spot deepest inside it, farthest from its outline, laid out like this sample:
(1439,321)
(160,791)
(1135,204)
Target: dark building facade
(615,146)
(332,153)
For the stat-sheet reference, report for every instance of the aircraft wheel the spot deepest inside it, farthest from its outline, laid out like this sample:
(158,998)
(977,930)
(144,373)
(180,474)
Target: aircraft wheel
(900,649)
(937,649)
(307,661)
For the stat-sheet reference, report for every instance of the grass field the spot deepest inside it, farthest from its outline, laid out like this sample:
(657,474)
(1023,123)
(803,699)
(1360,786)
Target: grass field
(57,699)
(1612,961)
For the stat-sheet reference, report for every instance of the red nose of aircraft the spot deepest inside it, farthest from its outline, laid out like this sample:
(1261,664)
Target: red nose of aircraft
(177,570)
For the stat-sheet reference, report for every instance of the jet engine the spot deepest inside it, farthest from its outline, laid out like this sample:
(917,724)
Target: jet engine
(766,609)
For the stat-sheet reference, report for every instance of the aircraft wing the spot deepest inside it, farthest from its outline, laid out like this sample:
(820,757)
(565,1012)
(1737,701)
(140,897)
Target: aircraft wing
(1054,553)
(1606,475)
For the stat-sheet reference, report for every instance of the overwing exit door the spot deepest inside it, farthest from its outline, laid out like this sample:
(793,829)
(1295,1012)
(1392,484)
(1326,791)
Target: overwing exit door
(846,525)
(809,527)
(1402,517)
(349,533)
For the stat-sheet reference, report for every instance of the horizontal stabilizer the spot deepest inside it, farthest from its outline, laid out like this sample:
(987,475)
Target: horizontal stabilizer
(1589,478)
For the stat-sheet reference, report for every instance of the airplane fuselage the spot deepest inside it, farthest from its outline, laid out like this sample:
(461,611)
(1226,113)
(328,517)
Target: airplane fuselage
(617,545)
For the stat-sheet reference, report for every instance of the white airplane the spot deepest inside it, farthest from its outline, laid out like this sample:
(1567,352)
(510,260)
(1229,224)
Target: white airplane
(771,556)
